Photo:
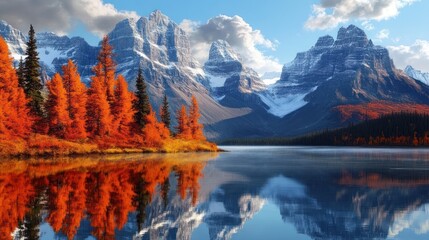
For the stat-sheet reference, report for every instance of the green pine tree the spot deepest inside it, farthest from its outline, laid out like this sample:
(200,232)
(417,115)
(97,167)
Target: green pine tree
(21,74)
(165,113)
(32,83)
(141,103)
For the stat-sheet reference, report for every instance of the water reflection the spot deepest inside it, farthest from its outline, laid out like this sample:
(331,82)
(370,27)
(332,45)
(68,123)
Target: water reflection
(249,193)
(106,194)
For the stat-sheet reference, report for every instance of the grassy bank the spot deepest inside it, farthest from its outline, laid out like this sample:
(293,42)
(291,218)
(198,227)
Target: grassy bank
(42,145)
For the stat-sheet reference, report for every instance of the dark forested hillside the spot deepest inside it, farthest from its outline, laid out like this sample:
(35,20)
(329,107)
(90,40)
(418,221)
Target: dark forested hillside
(398,129)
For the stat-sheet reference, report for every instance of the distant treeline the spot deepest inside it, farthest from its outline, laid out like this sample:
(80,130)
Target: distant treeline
(397,129)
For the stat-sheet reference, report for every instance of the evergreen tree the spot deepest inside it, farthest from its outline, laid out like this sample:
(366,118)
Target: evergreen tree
(32,83)
(141,102)
(21,74)
(165,113)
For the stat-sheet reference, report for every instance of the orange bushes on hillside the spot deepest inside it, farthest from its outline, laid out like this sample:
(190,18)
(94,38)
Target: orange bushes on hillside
(374,110)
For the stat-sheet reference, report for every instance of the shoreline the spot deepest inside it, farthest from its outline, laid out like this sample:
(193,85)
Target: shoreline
(46,147)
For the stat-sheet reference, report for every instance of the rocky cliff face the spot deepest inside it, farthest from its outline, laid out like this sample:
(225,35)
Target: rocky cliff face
(55,51)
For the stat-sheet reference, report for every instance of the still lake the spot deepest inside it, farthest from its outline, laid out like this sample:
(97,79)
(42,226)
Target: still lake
(245,193)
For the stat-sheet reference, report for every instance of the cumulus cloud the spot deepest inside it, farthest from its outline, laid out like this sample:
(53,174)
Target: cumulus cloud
(60,15)
(331,13)
(239,34)
(416,55)
(383,34)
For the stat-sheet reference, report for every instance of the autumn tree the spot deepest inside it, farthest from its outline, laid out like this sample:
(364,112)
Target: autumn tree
(195,126)
(14,112)
(154,132)
(56,105)
(141,102)
(99,118)
(122,109)
(32,83)
(76,101)
(183,129)
(165,112)
(107,69)
(101,94)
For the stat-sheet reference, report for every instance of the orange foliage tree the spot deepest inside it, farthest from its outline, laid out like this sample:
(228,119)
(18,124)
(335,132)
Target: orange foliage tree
(76,101)
(123,107)
(107,70)
(195,126)
(99,118)
(14,113)
(15,194)
(183,130)
(154,132)
(188,180)
(58,117)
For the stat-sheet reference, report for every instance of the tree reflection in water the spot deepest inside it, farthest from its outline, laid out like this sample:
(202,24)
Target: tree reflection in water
(63,192)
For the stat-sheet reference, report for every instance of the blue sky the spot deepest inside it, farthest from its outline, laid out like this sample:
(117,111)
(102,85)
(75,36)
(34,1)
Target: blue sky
(285,27)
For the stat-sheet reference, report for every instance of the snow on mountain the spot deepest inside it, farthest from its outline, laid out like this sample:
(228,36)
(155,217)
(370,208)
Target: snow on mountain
(282,105)
(223,62)
(417,74)
(14,38)
(229,81)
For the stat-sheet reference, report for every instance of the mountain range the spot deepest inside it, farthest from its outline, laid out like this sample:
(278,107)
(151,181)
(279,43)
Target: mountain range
(234,101)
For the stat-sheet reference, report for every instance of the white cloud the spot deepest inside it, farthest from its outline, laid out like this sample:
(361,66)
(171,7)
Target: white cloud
(367,25)
(331,13)
(239,34)
(383,34)
(60,15)
(416,55)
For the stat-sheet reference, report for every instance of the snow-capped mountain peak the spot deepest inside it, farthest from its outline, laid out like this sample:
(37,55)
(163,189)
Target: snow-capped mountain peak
(417,74)
(15,39)
(222,51)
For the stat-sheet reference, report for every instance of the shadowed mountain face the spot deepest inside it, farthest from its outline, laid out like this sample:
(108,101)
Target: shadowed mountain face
(234,102)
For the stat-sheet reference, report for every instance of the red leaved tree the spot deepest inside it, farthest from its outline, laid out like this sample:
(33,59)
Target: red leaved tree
(183,130)
(56,105)
(195,126)
(154,132)
(76,101)
(99,118)
(14,113)
(123,107)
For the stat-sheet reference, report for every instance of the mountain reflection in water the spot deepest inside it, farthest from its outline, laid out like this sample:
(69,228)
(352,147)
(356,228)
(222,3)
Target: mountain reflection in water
(248,193)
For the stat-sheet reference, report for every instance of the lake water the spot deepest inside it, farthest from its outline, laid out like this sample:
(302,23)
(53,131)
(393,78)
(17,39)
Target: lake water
(246,193)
